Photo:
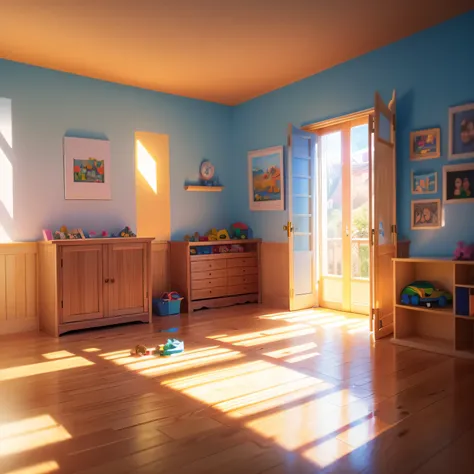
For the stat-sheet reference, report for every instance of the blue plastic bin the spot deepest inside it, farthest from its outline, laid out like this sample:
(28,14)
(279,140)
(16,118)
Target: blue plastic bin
(166,307)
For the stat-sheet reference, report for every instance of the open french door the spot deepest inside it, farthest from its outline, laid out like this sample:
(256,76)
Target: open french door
(382,216)
(301,225)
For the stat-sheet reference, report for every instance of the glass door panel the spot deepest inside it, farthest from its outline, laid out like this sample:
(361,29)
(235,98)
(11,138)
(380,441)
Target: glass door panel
(331,219)
(360,260)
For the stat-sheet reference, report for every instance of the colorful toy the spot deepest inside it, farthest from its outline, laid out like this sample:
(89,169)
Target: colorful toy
(104,234)
(236,248)
(212,234)
(239,230)
(125,232)
(464,252)
(171,347)
(424,293)
(223,235)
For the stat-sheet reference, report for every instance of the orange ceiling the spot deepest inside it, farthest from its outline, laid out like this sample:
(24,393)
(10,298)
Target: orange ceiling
(217,50)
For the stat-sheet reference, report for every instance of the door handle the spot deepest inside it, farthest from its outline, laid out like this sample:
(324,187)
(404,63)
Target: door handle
(288,228)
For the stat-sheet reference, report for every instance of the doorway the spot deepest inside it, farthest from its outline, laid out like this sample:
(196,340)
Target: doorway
(344,216)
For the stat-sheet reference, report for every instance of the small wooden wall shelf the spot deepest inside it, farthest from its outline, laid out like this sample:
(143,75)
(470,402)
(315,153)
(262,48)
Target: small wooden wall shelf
(434,329)
(205,189)
(216,280)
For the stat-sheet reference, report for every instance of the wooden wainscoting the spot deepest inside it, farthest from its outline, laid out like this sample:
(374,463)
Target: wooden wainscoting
(18,287)
(160,267)
(274,268)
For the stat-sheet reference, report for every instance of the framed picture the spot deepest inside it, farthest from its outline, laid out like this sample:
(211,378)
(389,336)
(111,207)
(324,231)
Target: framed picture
(425,144)
(426,214)
(458,183)
(461,132)
(424,183)
(86,168)
(266,183)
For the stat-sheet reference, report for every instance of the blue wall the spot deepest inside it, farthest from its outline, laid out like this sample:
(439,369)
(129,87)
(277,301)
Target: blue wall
(46,105)
(430,71)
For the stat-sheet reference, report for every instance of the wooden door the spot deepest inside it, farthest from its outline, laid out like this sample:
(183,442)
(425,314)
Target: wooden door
(81,283)
(383,216)
(301,223)
(127,287)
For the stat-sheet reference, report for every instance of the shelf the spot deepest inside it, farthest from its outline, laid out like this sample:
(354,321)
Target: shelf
(204,189)
(217,256)
(464,286)
(424,309)
(224,242)
(440,346)
(469,318)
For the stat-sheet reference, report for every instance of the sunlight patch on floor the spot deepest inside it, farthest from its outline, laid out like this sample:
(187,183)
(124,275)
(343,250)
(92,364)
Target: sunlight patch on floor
(288,351)
(39,368)
(41,468)
(91,349)
(57,355)
(32,433)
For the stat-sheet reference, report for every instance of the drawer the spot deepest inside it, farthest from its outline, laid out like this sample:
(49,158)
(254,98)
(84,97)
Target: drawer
(242,262)
(242,289)
(208,265)
(242,280)
(237,271)
(208,283)
(209,293)
(206,275)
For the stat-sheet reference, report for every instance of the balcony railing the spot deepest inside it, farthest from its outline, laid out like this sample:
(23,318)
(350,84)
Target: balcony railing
(332,257)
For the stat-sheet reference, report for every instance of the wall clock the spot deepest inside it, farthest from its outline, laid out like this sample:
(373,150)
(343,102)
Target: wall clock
(207,170)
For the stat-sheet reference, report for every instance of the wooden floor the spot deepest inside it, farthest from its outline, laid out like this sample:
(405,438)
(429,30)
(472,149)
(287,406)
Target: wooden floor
(255,392)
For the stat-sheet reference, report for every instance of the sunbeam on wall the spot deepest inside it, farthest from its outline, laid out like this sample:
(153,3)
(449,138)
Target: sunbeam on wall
(6,169)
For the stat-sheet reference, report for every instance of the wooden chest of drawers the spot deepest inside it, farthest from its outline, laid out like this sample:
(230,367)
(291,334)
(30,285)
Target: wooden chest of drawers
(215,280)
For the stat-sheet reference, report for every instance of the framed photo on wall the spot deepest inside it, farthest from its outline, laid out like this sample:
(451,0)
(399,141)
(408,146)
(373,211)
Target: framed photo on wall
(86,168)
(424,182)
(425,144)
(461,132)
(266,183)
(458,183)
(426,214)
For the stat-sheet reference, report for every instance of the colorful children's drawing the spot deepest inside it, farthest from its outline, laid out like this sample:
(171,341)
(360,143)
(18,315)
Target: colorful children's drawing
(424,183)
(425,144)
(266,176)
(88,171)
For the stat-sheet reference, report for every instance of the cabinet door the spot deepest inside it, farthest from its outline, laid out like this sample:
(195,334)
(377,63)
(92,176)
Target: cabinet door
(81,284)
(127,290)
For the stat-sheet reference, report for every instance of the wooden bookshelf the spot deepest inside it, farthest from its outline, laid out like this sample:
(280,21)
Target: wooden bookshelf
(435,329)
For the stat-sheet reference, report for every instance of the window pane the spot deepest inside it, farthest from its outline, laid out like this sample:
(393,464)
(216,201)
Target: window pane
(332,207)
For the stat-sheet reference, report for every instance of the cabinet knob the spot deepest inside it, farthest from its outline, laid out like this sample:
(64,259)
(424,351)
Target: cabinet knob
(106,280)
(112,280)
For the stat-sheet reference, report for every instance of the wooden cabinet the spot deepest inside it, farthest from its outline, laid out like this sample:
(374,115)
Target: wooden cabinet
(90,283)
(216,279)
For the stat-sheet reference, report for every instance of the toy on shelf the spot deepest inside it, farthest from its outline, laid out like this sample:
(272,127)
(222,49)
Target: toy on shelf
(236,248)
(126,232)
(64,234)
(424,293)
(464,252)
(239,230)
(192,238)
(212,234)
(223,234)
(104,234)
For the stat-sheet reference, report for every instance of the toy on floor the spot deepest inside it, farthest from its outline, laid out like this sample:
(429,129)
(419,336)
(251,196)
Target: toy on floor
(464,252)
(424,293)
(171,347)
